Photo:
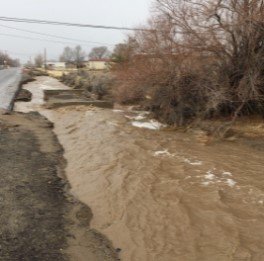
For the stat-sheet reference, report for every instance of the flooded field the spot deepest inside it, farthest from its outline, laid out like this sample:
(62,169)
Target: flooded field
(160,195)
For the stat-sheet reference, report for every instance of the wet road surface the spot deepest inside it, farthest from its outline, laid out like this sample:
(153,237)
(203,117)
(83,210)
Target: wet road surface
(9,80)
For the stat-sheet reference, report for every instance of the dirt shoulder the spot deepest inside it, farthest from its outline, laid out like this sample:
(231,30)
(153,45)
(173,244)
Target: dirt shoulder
(39,219)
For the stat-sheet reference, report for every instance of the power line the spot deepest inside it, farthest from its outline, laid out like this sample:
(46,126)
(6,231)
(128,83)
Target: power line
(55,36)
(37,39)
(24,20)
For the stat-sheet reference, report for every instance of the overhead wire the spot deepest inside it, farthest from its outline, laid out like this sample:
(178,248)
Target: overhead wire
(55,36)
(38,39)
(35,21)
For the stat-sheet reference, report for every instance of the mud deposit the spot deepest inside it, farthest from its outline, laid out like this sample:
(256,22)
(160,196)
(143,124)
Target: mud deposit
(162,195)
(39,219)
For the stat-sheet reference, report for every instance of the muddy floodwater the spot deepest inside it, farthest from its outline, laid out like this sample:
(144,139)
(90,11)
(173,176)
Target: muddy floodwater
(161,195)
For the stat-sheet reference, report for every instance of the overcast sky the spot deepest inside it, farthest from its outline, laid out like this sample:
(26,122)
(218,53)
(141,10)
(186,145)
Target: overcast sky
(121,13)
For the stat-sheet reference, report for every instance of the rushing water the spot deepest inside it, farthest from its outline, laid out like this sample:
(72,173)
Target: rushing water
(161,195)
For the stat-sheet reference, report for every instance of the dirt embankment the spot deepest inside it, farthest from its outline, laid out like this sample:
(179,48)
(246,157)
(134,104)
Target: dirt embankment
(39,219)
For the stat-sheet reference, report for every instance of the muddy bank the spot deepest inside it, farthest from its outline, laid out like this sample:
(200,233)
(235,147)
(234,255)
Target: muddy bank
(39,219)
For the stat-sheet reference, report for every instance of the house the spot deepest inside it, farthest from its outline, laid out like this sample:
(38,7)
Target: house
(99,64)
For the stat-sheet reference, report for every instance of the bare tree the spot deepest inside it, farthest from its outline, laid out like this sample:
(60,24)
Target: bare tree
(6,60)
(100,52)
(200,58)
(78,55)
(229,34)
(67,55)
(73,55)
(39,60)
(124,52)
(120,53)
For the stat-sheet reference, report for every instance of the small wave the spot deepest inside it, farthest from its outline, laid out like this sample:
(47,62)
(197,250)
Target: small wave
(211,178)
(152,125)
(194,163)
(163,153)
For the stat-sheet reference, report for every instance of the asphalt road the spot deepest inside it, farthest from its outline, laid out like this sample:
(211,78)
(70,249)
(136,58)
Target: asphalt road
(9,80)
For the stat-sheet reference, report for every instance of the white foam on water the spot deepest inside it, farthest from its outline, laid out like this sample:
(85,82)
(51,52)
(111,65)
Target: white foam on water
(163,153)
(139,118)
(226,173)
(210,178)
(230,182)
(152,125)
(209,175)
(194,163)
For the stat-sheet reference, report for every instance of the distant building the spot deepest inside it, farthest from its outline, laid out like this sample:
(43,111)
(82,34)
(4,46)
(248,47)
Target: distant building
(55,65)
(93,64)
(99,64)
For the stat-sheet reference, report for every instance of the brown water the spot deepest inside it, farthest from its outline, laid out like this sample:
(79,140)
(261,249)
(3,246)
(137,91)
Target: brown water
(161,195)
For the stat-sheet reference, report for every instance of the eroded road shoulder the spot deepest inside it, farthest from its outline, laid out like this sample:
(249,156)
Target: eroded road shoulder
(39,220)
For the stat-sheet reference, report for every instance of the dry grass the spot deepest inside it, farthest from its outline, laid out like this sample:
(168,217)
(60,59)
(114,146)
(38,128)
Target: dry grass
(250,127)
(60,72)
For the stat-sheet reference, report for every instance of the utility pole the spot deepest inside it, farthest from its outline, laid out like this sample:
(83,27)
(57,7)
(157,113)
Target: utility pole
(45,59)
(5,59)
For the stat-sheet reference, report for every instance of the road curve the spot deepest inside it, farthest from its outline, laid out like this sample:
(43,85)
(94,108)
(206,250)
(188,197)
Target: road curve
(9,82)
